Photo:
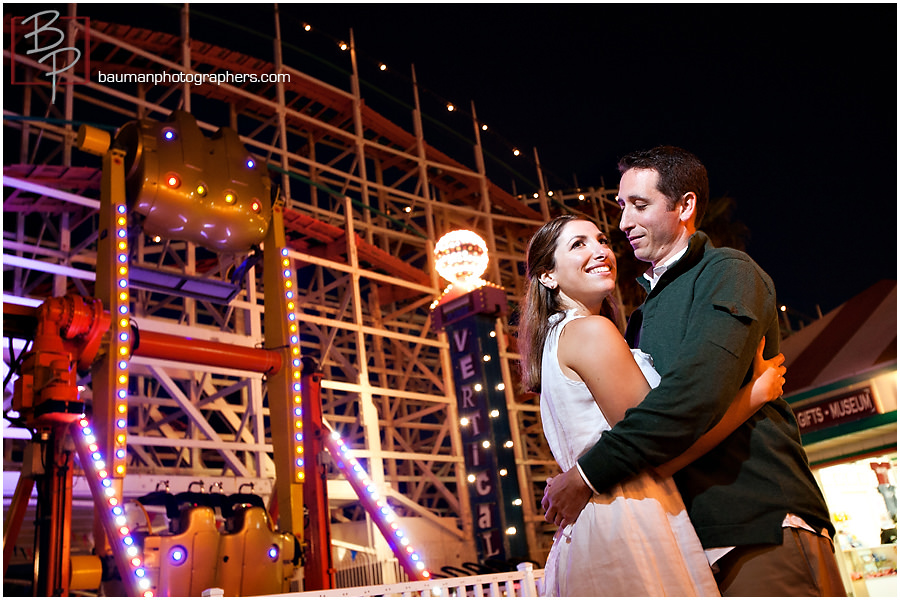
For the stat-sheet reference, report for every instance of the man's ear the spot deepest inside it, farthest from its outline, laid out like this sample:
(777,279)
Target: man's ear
(548,281)
(688,207)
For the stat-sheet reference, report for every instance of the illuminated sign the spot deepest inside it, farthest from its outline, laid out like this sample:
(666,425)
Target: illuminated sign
(844,408)
(488,447)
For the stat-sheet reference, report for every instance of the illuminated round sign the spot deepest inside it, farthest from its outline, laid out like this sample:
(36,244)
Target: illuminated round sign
(461,258)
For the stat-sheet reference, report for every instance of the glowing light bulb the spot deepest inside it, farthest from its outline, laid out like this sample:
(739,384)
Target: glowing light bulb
(461,258)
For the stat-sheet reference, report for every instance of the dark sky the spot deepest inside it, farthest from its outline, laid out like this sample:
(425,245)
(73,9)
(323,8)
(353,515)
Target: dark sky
(793,108)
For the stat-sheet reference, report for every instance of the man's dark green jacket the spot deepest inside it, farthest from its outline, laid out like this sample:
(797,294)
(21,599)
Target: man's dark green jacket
(701,324)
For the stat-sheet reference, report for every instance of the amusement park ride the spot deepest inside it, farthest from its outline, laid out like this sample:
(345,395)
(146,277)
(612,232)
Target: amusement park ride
(254,303)
(178,183)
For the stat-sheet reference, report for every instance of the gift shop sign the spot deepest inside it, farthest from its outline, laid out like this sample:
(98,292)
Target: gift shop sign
(850,406)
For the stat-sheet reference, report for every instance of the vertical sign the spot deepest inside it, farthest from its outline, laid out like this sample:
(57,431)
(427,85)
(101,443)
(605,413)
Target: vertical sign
(487,443)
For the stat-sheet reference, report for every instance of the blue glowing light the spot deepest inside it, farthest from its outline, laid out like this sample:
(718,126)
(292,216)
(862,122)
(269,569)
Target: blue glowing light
(178,555)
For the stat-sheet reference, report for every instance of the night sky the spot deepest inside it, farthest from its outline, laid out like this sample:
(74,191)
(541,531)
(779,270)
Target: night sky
(793,108)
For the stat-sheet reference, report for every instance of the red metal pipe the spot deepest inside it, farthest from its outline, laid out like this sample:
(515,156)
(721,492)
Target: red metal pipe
(319,571)
(152,345)
(215,354)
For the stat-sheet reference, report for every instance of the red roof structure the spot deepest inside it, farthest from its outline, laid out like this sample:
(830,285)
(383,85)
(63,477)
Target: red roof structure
(857,338)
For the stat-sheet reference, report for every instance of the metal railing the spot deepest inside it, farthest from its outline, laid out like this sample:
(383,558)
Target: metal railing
(525,582)
(364,569)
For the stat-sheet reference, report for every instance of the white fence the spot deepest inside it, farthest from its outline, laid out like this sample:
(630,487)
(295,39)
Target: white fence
(526,582)
(364,570)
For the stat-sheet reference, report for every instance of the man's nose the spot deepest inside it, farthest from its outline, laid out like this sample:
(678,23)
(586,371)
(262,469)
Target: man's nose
(625,223)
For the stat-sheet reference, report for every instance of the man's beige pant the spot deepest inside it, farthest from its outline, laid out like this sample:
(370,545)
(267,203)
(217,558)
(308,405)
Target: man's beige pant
(803,565)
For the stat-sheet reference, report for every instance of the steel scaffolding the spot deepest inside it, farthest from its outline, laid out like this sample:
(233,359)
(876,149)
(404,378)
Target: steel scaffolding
(364,202)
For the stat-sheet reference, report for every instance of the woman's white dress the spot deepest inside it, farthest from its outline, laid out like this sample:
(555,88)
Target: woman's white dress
(635,539)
